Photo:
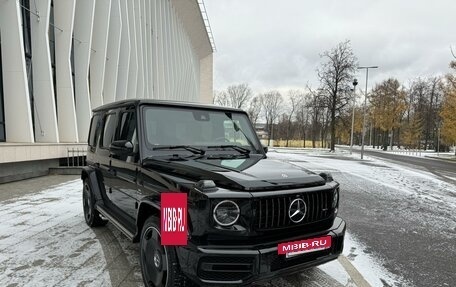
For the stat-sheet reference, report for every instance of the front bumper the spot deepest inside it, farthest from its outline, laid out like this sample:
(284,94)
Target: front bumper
(242,265)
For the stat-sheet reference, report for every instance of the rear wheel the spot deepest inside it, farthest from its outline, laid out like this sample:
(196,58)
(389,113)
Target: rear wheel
(91,215)
(159,265)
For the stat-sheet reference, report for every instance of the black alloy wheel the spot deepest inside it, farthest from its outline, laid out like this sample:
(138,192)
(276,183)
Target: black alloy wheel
(91,215)
(159,265)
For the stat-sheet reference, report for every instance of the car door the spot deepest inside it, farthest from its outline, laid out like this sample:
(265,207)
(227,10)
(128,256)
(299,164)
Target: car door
(125,166)
(103,153)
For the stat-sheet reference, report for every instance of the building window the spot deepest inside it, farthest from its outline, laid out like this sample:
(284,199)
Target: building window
(2,110)
(72,67)
(108,130)
(27,37)
(51,34)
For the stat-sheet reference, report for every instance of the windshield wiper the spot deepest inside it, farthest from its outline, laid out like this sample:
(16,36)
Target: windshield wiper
(191,149)
(240,149)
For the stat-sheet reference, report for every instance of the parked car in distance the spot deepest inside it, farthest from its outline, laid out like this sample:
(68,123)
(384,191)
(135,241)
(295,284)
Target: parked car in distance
(243,208)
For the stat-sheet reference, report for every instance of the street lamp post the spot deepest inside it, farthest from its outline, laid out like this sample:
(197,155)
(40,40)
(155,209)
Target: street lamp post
(355,82)
(364,108)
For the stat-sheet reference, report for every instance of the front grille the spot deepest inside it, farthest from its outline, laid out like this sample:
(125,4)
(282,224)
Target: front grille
(272,212)
(225,268)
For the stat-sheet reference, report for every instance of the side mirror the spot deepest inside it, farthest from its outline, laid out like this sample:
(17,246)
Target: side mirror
(265,149)
(121,148)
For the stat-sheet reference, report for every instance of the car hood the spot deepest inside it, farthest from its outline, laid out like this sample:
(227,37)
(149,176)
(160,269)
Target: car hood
(246,174)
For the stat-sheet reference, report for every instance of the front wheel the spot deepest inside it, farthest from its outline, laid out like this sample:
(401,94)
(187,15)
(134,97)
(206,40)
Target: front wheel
(159,266)
(91,215)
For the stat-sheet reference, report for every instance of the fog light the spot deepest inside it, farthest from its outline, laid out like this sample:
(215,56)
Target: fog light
(226,213)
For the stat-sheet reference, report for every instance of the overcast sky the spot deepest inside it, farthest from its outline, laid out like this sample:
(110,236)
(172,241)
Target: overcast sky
(272,44)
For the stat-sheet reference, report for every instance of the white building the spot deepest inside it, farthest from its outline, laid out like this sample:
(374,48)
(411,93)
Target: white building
(62,58)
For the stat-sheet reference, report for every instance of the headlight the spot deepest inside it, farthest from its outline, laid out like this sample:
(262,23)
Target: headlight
(335,197)
(226,213)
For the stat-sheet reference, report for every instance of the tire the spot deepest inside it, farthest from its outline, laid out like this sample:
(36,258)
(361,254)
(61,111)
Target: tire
(153,256)
(91,215)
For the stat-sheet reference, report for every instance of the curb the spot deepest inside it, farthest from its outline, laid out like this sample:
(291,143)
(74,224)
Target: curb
(357,278)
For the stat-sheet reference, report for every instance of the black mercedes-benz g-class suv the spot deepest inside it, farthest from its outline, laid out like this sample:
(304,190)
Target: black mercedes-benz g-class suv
(242,206)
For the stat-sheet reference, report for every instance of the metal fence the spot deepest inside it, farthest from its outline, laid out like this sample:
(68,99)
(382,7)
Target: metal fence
(76,157)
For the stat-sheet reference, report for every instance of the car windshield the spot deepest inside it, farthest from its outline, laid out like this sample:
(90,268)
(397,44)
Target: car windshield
(211,130)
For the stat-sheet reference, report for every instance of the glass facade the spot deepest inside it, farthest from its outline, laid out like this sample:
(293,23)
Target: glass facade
(2,114)
(26,33)
(52,52)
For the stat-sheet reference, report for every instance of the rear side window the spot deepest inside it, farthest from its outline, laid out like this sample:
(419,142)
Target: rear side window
(127,126)
(94,130)
(108,130)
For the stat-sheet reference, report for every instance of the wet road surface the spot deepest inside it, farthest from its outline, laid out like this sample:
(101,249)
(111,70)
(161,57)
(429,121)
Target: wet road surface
(44,241)
(402,214)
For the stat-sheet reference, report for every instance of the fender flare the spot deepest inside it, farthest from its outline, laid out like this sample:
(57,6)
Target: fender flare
(90,174)
(147,208)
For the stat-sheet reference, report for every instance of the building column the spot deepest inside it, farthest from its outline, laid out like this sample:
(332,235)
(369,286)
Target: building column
(146,35)
(139,48)
(206,80)
(46,129)
(133,66)
(151,41)
(99,46)
(124,60)
(18,116)
(113,52)
(63,20)
(83,24)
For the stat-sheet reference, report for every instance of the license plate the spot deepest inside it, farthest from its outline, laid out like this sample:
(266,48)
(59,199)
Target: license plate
(291,249)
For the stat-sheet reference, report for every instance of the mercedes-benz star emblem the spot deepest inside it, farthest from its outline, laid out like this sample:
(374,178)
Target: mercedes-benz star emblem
(297,210)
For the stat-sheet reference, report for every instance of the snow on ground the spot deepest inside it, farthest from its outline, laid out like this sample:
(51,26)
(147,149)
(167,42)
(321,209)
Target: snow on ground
(411,190)
(417,184)
(44,241)
(369,265)
(409,152)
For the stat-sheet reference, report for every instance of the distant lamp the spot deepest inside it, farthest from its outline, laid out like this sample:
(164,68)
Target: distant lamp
(355,82)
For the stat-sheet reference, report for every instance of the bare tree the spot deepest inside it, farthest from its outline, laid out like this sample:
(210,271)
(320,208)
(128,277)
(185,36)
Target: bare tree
(303,108)
(293,96)
(254,109)
(317,106)
(239,95)
(235,96)
(221,99)
(271,104)
(335,75)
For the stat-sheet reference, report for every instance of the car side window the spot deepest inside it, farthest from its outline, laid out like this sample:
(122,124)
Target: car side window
(108,130)
(127,126)
(127,131)
(95,125)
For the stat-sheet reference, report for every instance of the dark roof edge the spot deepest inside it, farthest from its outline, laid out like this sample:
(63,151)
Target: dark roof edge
(136,102)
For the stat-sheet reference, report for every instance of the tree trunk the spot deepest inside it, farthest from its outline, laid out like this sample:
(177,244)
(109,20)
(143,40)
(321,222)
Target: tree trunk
(288,132)
(391,139)
(333,123)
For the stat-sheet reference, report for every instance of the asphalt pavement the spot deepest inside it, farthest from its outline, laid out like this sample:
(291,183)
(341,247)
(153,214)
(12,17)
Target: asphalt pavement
(44,241)
(405,216)
(443,168)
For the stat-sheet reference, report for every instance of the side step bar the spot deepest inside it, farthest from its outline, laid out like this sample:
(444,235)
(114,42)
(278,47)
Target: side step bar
(114,221)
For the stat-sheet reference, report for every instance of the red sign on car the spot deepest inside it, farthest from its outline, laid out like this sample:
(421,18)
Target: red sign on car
(294,248)
(173,219)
